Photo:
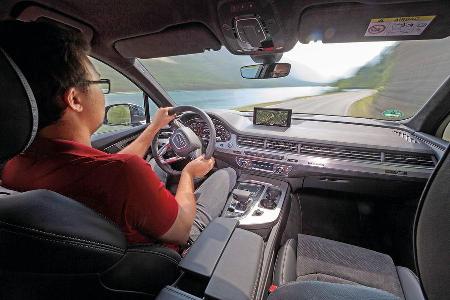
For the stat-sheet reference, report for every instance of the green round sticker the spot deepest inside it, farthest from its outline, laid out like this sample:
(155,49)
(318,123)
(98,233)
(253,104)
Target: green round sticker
(392,113)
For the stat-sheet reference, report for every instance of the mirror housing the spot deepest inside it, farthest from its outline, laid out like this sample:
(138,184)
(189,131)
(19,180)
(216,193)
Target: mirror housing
(124,114)
(266,71)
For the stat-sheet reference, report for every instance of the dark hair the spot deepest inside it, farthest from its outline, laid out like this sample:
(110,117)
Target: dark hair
(52,59)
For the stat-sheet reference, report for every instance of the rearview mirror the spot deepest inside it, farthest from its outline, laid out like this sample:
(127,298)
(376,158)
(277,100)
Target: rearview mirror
(265,71)
(124,114)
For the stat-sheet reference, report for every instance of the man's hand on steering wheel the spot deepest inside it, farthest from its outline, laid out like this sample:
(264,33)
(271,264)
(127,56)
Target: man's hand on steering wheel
(161,118)
(200,166)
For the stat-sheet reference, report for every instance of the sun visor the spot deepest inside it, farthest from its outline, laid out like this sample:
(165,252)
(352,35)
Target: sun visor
(176,40)
(361,23)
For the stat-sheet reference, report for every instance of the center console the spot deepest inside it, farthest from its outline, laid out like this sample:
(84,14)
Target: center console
(234,256)
(256,202)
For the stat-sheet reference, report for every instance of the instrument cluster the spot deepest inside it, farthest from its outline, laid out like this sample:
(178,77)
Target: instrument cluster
(201,129)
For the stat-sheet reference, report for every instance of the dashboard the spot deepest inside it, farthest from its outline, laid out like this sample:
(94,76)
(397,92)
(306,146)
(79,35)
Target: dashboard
(314,146)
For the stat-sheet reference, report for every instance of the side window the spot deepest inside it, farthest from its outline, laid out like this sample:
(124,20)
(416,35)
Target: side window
(446,134)
(444,129)
(123,104)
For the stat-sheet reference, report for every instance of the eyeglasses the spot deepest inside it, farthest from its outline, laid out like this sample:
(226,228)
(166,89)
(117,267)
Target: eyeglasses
(105,84)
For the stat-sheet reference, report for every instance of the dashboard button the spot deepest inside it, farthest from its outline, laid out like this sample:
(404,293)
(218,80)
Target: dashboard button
(257,212)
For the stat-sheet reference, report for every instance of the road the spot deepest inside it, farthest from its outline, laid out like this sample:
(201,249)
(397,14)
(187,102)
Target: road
(328,104)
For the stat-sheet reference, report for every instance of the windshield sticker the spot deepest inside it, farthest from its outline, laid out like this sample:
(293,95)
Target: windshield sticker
(398,26)
(393,113)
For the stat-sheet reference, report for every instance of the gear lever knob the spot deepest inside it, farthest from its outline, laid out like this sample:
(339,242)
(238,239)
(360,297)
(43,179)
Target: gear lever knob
(241,196)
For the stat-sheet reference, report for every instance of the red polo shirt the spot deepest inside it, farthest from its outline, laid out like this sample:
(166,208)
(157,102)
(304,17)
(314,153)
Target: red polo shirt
(122,187)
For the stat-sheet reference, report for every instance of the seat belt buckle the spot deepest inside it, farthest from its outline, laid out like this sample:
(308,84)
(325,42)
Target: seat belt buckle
(272,288)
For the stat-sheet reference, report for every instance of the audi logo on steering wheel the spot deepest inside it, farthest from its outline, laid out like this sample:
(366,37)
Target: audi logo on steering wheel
(179,141)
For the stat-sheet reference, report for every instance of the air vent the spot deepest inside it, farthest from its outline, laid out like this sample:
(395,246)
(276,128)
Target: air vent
(409,159)
(250,142)
(282,146)
(343,153)
(406,136)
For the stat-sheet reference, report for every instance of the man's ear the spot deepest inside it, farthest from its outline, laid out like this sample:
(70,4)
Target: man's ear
(72,98)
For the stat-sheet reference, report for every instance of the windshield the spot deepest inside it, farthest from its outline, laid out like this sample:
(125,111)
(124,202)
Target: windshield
(381,80)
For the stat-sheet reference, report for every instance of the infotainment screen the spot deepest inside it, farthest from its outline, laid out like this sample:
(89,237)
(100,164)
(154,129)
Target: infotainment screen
(272,116)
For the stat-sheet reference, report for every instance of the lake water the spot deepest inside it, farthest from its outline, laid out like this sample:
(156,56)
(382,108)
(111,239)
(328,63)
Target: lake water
(224,99)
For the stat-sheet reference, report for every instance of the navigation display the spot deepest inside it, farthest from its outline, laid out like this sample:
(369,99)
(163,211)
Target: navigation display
(272,116)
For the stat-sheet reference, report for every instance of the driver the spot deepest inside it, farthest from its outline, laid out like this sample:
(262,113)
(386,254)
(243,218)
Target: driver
(122,187)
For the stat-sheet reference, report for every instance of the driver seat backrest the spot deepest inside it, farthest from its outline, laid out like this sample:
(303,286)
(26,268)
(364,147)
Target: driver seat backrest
(53,247)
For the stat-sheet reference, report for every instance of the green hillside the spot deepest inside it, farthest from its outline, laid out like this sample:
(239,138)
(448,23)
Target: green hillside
(371,76)
(210,70)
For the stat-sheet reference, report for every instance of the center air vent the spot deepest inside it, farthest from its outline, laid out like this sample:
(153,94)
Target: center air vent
(282,146)
(250,142)
(409,159)
(336,152)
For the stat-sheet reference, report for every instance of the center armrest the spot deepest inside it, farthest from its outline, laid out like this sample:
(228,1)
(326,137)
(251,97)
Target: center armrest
(204,254)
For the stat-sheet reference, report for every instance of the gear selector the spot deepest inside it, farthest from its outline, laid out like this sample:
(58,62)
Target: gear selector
(242,199)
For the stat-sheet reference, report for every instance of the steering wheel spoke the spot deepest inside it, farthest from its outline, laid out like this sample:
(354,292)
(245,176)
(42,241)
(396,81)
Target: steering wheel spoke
(171,160)
(163,149)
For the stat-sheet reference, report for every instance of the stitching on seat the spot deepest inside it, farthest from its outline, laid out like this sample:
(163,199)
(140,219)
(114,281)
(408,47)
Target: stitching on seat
(412,273)
(62,235)
(73,243)
(330,276)
(401,285)
(255,284)
(173,260)
(284,262)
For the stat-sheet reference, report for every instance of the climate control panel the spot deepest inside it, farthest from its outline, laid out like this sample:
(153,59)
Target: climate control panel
(256,165)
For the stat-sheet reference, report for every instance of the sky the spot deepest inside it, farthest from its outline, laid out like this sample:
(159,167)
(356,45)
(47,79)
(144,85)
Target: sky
(331,61)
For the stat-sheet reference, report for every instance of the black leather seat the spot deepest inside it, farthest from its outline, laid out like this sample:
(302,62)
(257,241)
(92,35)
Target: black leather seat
(316,268)
(52,247)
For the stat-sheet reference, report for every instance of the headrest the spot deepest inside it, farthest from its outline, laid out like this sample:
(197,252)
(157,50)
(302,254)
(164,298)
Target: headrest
(18,110)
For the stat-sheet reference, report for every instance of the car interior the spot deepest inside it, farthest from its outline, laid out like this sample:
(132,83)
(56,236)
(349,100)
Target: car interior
(325,206)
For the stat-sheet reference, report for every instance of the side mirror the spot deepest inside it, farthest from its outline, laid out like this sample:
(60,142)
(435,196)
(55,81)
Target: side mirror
(265,71)
(124,114)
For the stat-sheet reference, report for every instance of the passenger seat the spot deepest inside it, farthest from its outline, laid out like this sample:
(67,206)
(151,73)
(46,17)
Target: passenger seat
(316,268)
(311,258)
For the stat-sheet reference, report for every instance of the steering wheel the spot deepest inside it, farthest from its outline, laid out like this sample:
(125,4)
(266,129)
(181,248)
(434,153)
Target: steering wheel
(183,142)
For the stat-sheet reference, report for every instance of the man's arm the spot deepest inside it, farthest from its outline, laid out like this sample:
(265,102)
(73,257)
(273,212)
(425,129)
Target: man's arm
(143,142)
(179,232)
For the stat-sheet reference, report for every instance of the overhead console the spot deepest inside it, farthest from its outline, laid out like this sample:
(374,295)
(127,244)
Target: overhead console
(253,28)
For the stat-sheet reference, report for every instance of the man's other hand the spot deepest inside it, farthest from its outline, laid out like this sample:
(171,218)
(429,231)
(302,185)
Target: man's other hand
(162,118)
(200,166)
